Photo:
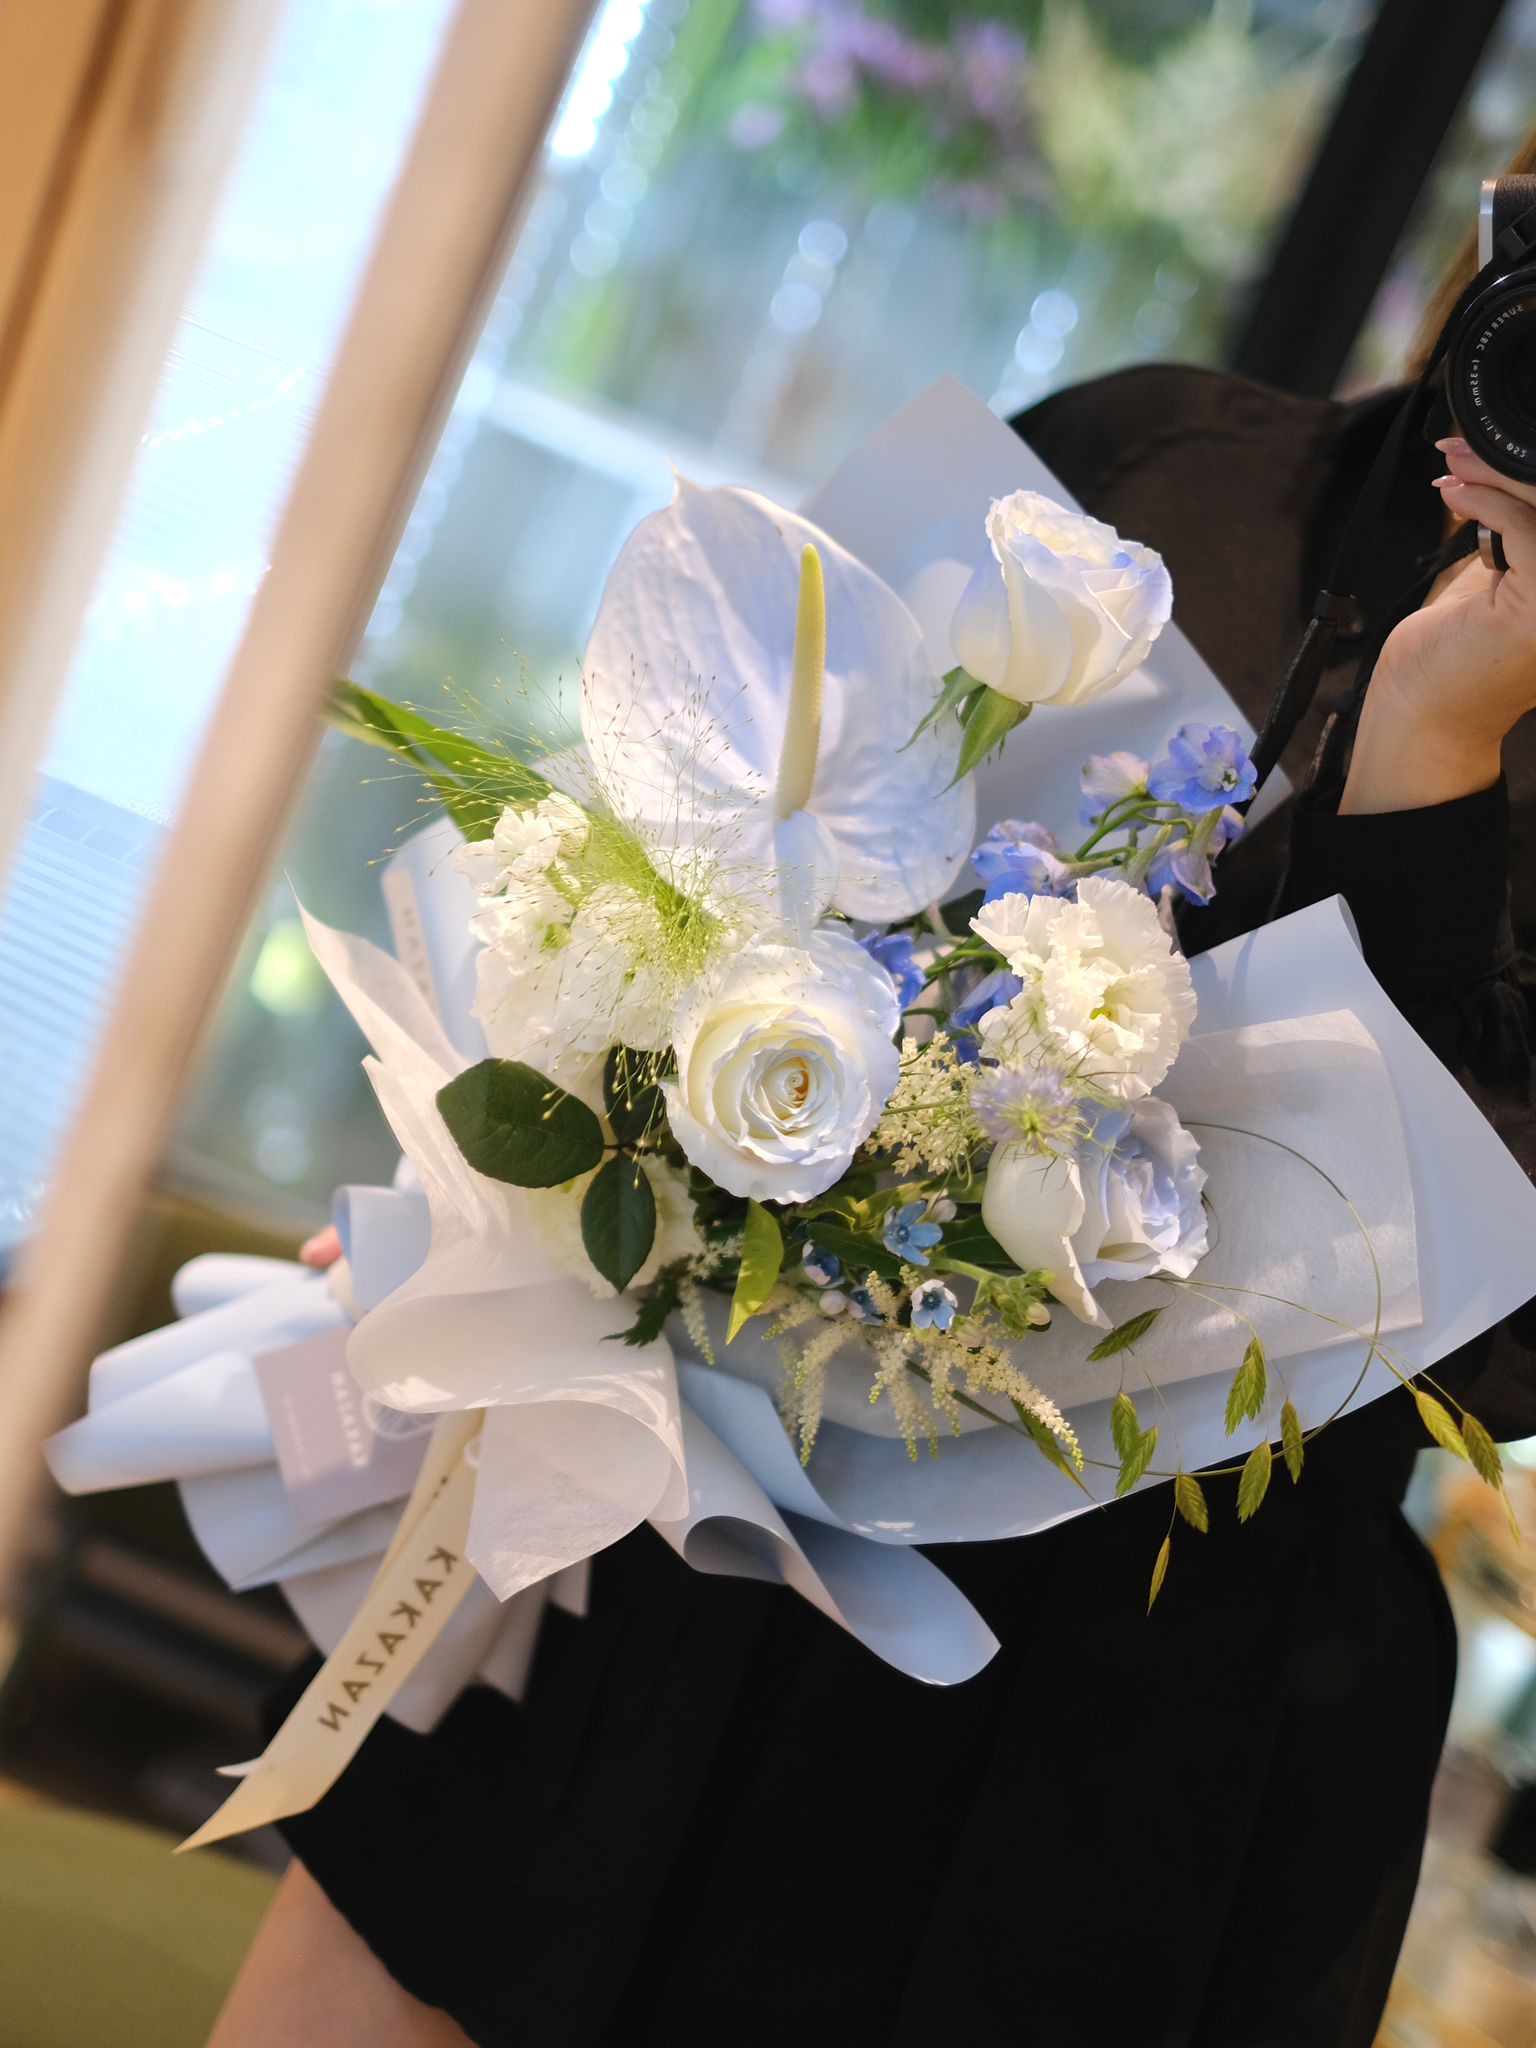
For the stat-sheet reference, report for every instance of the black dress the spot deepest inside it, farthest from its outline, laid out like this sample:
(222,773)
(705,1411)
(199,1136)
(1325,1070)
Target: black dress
(717,1819)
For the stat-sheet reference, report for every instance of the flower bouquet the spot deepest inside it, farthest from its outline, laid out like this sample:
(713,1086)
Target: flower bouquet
(795,1165)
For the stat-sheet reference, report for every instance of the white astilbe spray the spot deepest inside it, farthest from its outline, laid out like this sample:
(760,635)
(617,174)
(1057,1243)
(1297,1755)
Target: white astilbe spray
(929,1125)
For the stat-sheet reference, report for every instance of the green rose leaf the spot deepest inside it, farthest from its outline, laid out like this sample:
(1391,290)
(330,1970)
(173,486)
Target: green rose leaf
(1250,1387)
(515,1125)
(618,1221)
(762,1257)
(1254,1483)
(1125,1334)
(631,1098)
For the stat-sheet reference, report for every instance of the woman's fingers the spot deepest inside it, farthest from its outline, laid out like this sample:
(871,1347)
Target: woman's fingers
(1468,467)
(1512,518)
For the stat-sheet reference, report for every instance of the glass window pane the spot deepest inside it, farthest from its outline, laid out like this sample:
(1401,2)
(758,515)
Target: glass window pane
(229,424)
(1494,120)
(762,226)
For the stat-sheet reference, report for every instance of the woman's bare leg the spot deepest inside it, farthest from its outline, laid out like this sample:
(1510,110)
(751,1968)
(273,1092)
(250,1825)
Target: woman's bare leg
(311,1982)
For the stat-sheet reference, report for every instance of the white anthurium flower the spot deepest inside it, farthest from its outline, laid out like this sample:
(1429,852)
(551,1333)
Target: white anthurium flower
(1062,608)
(784,1064)
(1125,1205)
(710,722)
(1103,986)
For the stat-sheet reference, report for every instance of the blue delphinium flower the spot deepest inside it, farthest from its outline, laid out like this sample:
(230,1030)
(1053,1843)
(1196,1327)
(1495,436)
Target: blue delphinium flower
(1107,778)
(993,992)
(862,1306)
(1206,768)
(1019,859)
(1187,866)
(908,1236)
(933,1306)
(819,1267)
(893,950)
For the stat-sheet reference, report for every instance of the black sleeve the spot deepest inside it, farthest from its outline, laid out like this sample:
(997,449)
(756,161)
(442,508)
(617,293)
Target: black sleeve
(1429,892)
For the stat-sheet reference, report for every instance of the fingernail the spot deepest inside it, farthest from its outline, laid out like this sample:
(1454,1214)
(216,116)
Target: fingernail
(1447,483)
(1453,444)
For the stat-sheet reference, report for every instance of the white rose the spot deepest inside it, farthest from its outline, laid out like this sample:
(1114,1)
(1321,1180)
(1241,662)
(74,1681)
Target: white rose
(784,1064)
(1063,609)
(1103,986)
(1124,1206)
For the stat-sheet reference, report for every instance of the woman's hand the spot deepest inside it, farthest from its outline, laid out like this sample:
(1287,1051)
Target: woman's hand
(1458,673)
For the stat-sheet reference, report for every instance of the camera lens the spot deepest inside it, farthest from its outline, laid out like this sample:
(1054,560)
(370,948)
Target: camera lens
(1491,380)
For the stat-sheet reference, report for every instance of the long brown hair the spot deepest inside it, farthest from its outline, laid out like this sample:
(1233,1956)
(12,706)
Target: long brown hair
(1461,270)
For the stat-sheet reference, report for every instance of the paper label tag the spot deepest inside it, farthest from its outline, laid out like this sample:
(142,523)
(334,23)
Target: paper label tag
(339,1450)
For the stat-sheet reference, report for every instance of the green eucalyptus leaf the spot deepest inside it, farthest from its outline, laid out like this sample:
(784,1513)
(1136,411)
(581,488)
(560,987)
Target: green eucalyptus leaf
(1125,1334)
(1291,1441)
(1250,1387)
(513,1124)
(1254,1482)
(1189,1499)
(762,1260)
(618,1220)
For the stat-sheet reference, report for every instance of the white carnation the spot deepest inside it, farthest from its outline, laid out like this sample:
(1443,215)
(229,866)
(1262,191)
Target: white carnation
(1103,986)
(784,1063)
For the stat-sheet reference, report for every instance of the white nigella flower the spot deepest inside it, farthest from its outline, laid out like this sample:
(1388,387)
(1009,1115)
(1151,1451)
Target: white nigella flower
(1126,1204)
(1062,609)
(716,714)
(565,969)
(784,1064)
(1103,987)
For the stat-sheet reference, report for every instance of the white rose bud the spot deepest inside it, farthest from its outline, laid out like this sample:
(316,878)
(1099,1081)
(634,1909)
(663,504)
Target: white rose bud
(1062,609)
(1126,1205)
(785,1062)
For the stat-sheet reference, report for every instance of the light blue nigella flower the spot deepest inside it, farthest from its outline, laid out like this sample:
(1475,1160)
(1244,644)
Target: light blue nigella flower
(1106,779)
(1205,769)
(1035,1106)
(908,1236)
(994,991)
(820,1267)
(933,1306)
(893,950)
(1187,866)
(1019,859)
(861,1306)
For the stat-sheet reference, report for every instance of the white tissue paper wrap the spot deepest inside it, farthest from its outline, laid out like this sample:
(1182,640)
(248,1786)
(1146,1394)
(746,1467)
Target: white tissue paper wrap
(584,1438)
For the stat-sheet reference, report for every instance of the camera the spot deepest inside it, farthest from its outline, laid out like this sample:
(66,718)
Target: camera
(1490,362)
